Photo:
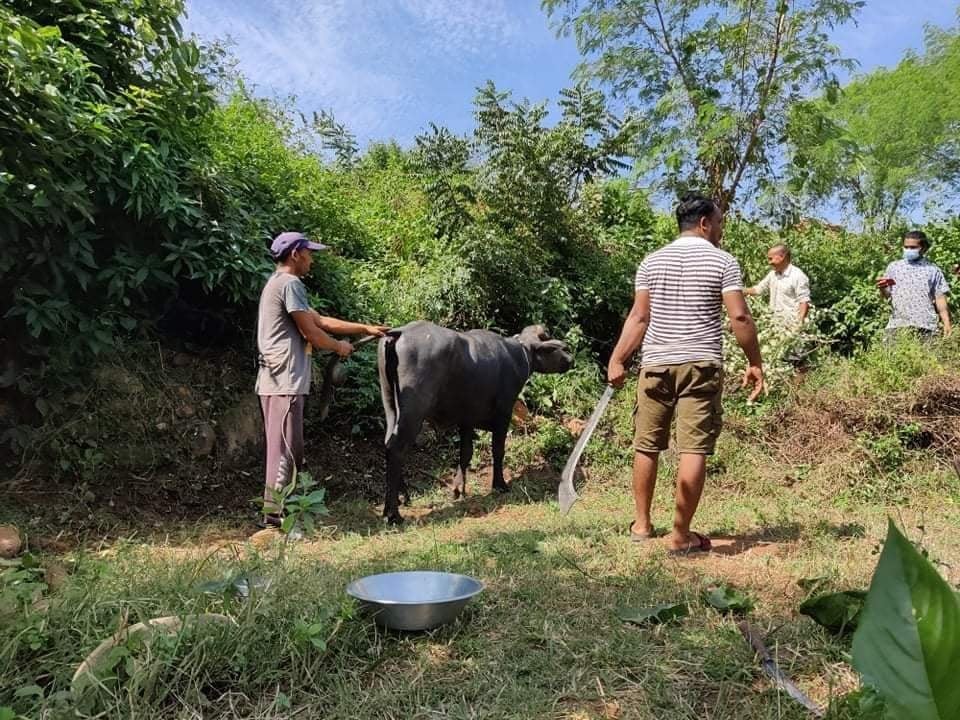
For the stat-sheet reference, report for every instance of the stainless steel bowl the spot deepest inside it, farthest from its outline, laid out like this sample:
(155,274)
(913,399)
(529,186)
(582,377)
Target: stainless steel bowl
(416,600)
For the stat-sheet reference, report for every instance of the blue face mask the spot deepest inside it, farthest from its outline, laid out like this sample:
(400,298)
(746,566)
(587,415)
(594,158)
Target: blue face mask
(911,254)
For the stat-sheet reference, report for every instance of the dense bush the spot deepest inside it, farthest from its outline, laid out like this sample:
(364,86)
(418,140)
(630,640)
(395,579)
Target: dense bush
(843,267)
(100,120)
(140,185)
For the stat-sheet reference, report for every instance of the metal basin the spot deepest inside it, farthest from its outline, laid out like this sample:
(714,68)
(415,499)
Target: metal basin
(417,600)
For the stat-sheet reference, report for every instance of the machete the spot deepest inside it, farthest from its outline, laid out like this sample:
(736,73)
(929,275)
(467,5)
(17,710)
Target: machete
(772,670)
(565,493)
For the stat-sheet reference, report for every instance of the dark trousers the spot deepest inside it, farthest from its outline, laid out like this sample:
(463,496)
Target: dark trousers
(283,429)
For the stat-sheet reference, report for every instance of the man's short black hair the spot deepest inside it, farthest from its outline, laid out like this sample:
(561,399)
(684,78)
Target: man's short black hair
(692,207)
(919,235)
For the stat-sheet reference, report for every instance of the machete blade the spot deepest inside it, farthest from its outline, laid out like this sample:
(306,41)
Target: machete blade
(566,495)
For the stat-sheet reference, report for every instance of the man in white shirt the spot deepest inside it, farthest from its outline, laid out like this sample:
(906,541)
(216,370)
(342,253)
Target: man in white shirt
(788,286)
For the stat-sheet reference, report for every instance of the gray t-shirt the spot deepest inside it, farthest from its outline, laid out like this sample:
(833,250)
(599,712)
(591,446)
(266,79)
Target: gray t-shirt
(918,284)
(283,353)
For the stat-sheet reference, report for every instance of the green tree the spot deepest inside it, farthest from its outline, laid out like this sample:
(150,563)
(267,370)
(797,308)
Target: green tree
(713,79)
(100,110)
(889,140)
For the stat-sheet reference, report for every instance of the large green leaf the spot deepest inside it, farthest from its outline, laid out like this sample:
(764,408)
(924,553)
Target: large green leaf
(907,645)
(728,600)
(839,612)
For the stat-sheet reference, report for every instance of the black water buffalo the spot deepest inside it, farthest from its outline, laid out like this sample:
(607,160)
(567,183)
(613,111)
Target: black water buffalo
(467,380)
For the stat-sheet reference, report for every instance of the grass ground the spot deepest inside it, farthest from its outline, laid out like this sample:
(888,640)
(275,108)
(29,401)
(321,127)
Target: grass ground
(544,639)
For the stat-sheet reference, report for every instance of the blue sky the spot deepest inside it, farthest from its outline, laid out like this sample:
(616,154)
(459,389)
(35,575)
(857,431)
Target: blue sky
(386,68)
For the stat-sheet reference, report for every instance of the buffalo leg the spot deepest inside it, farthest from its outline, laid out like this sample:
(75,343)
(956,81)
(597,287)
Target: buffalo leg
(499,448)
(466,455)
(391,503)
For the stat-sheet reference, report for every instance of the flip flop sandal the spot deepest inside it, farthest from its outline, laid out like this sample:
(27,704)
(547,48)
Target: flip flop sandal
(703,546)
(637,537)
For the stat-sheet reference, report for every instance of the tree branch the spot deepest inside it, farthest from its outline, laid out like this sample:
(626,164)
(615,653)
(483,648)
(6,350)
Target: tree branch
(758,116)
(671,51)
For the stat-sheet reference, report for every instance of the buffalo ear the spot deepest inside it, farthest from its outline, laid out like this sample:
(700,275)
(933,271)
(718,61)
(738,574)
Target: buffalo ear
(538,331)
(533,334)
(552,345)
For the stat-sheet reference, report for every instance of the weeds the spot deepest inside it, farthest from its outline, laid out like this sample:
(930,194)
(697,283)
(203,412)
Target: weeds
(545,641)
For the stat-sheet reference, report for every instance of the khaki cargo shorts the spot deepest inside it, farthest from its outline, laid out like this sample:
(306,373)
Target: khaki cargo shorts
(695,391)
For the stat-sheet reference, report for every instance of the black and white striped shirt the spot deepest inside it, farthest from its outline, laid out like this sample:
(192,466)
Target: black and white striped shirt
(686,281)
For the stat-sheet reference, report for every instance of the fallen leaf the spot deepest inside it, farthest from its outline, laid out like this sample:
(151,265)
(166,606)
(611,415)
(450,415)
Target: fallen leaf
(654,613)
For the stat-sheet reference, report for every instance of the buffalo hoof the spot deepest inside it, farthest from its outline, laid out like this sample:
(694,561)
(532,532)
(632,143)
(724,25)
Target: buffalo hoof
(457,492)
(501,488)
(394,518)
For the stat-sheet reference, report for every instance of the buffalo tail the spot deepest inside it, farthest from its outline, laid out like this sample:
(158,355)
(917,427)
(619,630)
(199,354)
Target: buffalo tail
(387,364)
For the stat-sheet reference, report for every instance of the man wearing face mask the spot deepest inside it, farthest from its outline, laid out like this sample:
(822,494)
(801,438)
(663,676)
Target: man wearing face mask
(916,288)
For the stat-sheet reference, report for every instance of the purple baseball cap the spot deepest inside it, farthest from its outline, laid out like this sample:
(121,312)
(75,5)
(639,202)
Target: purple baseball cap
(289,241)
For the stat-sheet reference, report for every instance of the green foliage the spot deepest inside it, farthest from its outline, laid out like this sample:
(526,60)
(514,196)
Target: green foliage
(890,139)
(839,612)
(886,368)
(727,599)
(22,590)
(907,646)
(100,120)
(572,394)
(782,347)
(713,80)
(549,441)
(655,614)
(301,503)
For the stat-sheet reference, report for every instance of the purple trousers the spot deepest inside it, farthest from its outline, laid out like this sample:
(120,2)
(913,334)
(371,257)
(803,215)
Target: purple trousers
(283,428)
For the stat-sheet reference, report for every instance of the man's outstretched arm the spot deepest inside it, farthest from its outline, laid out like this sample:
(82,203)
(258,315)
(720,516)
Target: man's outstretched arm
(343,327)
(316,336)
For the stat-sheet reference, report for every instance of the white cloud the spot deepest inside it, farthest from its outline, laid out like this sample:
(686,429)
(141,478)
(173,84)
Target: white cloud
(463,27)
(369,61)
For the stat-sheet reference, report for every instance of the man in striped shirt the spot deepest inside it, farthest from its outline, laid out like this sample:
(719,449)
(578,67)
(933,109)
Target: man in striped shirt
(676,322)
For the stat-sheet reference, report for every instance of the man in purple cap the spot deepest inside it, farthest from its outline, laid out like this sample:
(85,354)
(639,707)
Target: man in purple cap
(287,330)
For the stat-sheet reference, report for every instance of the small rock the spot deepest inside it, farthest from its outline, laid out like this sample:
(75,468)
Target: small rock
(186,411)
(521,414)
(182,359)
(183,391)
(264,538)
(574,426)
(55,574)
(204,438)
(118,379)
(161,426)
(241,426)
(207,403)
(10,542)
